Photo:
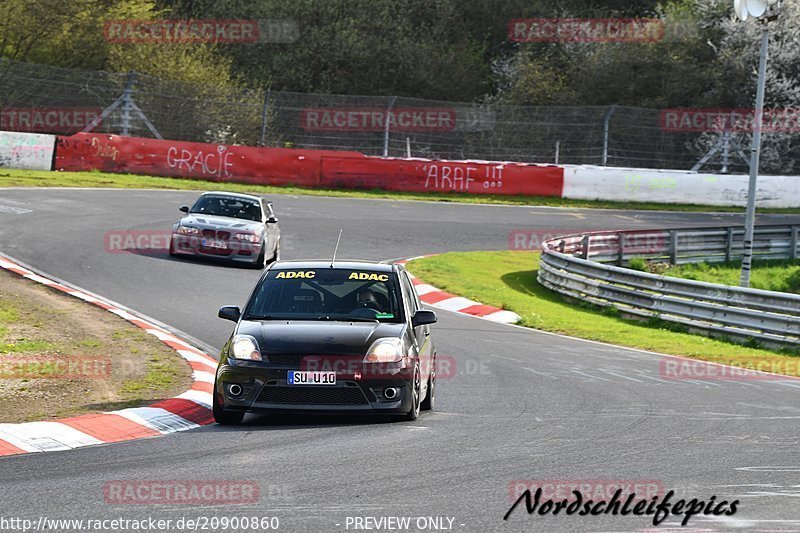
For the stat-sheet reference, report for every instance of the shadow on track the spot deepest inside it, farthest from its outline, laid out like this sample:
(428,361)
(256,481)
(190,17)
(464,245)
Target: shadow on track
(280,422)
(163,254)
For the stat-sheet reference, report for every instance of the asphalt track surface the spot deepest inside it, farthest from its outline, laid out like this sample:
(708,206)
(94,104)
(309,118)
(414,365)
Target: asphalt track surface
(520,405)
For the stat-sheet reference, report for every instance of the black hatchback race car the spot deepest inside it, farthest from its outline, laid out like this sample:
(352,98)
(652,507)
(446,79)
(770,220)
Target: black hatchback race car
(349,337)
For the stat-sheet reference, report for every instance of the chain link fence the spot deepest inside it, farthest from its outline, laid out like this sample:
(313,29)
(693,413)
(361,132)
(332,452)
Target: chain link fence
(45,99)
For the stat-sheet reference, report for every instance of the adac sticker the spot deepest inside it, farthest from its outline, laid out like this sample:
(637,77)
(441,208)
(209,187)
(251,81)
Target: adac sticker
(369,277)
(291,274)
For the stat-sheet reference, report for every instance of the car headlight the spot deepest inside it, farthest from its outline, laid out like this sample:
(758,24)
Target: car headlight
(385,351)
(248,237)
(245,347)
(188,230)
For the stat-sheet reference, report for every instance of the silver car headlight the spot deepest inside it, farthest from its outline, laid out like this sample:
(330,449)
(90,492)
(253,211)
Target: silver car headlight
(247,237)
(389,350)
(245,347)
(187,230)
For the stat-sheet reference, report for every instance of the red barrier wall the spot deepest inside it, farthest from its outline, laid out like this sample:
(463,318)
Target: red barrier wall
(307,168)
(240,164)
(475,177)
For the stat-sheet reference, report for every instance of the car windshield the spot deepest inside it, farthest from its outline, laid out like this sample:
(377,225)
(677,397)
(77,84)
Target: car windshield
(327,294)
(227,206)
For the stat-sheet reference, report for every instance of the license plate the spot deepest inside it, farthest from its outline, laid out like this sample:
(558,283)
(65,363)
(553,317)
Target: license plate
(298,377)
(212,243)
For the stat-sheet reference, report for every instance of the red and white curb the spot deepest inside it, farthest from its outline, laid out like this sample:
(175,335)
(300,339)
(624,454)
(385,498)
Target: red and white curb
(458,304)
(189,410)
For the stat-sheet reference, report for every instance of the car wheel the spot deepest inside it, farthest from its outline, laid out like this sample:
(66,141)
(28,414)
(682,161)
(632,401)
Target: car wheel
(261,262)
(223,417)
(429,402)
(413,413)
(277,256)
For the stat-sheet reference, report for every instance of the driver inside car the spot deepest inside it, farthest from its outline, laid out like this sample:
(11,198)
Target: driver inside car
(366,298)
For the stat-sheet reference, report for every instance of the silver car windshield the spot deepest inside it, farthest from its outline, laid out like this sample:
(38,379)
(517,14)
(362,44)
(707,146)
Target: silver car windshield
(227,206)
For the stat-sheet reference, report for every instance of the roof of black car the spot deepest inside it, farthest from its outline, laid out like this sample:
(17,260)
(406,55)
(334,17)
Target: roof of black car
(342,265)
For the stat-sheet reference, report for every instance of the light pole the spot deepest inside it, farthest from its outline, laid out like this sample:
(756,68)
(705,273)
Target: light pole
(760,10)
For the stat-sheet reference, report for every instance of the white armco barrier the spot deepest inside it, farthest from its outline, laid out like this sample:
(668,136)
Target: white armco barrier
(26,151)
(676,187)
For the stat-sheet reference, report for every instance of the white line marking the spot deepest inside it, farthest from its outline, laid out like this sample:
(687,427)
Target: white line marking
(455,303)
(156,419)
(45,436)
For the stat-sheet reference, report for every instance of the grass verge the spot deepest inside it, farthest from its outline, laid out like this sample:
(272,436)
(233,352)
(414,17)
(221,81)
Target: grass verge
(508,280)
(776,275)
(37,178)
(62,357)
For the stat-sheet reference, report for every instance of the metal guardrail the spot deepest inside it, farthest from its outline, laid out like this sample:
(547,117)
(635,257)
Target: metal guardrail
(590,267)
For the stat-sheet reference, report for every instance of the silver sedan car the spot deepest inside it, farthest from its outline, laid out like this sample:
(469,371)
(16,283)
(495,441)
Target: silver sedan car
(222,225)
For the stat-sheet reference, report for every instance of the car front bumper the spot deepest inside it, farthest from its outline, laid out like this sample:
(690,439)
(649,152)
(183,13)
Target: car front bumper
(191,245)
(264,389)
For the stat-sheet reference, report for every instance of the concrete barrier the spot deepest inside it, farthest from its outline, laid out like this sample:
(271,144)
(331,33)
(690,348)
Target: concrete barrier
(676,187)
(26,151)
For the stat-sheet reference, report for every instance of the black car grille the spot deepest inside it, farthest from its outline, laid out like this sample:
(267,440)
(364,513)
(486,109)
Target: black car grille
(220,235)
(286,358)
(312,395)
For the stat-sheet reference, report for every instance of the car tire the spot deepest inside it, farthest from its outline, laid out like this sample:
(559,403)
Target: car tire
(416,390)
(226,418)
(277,255)
(429,403)
(261,262)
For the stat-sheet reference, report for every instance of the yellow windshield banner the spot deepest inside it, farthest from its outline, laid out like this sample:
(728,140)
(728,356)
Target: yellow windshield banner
(364,276)
(292,274)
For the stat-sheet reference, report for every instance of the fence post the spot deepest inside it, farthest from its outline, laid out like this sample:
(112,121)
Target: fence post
(127,102)
(673,247)
(793,251)
(606,121)
(621,245)
(726,149)
(558,149)
(585,246)
(386,126)
(264,110)
(729,246)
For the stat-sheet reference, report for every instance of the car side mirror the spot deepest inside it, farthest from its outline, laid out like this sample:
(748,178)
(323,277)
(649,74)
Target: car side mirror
(184,208)
(272,220)
(230,312)
(423,317)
